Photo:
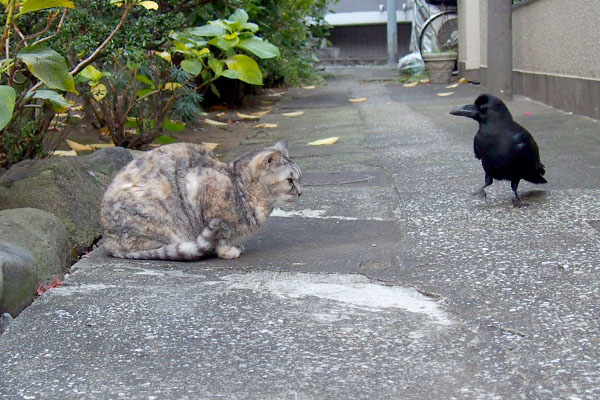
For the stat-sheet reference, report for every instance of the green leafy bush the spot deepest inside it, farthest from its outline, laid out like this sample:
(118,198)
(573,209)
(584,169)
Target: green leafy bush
(34,76)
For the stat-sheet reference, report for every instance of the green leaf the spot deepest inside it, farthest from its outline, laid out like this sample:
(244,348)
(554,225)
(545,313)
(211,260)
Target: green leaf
(131,123)
(237,21)
(48,66)
(56,100)
(251,26)
(162,139)
(214,89)
(144,92)
(36,5)
(216,65)
(225,44)
(173,126)
(247,69)
(91,73)
(207,30)
(192,66)
(7,104)
(260,48)
(146,80)
(231,74)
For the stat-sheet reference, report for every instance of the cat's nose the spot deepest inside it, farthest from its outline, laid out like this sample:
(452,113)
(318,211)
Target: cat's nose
(299,190)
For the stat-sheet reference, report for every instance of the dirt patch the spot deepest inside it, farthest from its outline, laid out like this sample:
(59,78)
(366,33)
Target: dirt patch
(228,137)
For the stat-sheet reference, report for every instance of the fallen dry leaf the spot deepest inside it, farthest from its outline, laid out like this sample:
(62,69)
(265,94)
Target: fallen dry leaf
(246,116)
(326,141)
(358,100)
(425,81)
(214,123)
(64,153)
(210,146)
(278,94)
(218,107)
(97,146)
(78,146)
(309,87)
(445,94)
(44,287)
(453,86)
(262,113)
(221,114)
(266,126)
(293,114)
(463,80)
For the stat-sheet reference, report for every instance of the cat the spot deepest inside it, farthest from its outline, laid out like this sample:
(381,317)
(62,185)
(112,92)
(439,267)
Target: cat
(180,202)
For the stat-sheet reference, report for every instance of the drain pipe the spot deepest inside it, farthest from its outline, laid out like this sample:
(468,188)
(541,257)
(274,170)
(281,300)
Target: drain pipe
(392,33)
(499,48)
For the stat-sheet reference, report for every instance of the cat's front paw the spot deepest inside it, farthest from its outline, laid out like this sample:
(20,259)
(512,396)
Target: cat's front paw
(228,252)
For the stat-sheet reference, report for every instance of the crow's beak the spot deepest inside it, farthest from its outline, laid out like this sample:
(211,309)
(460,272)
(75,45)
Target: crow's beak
(468,110)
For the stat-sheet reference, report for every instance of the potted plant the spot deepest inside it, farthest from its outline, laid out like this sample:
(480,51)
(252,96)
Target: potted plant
(440,65)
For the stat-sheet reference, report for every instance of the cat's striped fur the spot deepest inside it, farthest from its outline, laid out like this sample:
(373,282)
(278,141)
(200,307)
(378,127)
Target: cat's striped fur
(179,202)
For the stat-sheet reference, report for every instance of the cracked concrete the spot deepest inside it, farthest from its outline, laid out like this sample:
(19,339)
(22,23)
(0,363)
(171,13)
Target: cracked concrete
(399,285)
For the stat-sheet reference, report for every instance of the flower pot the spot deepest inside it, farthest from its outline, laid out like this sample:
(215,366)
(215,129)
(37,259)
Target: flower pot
(440,66)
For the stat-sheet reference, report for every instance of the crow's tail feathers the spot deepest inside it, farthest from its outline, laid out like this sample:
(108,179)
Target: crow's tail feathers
(537,177)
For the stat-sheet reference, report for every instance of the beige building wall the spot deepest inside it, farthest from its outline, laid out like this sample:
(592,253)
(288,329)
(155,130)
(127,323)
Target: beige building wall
(469,43)
(557,37)
(555,46)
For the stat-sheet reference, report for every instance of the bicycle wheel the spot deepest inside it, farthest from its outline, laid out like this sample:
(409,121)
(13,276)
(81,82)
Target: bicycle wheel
(439,33)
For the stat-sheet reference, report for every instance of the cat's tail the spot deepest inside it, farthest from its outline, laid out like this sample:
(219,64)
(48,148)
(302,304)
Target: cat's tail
(183,251)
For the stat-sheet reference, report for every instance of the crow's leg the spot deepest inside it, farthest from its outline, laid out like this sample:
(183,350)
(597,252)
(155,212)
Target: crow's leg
(488,181)
(517,200)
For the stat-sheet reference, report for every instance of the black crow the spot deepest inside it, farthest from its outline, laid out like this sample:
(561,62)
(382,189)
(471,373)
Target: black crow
(507,150)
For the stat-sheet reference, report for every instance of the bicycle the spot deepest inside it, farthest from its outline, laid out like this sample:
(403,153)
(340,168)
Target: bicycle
(440,30)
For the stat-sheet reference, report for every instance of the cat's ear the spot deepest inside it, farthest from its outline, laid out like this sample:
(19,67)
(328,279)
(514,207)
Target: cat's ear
(282,146)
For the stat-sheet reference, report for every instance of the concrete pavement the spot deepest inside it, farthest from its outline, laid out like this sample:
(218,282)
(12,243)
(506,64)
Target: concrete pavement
(387,280)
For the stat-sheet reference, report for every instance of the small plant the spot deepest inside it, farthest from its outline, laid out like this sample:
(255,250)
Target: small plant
(133,103)
(218,49)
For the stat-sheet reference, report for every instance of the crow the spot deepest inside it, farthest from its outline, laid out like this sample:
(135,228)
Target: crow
(507,150)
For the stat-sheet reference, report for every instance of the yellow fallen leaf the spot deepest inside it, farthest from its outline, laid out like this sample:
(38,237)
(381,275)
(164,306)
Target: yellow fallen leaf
(77,108)
(214,123)
(358,100)
(425,81)
(99,91)
(463,80)
(172,86)
(78,146)
(266,126)
(246,116)
(210,146)
(326,141)
(261,113)
(445,94)
(293,114)
(64,153)
(410,84)
(309,87)
(453,86)
(221,114)
(101,145)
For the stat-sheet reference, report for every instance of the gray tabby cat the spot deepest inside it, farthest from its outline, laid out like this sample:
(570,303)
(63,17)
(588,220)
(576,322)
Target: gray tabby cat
(179,202)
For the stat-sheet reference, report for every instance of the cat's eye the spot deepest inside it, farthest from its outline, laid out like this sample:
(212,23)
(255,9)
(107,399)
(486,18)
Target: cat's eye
(291,181)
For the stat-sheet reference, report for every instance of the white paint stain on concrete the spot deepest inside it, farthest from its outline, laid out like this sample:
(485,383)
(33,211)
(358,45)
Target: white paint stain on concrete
(355,291)
(318,214)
